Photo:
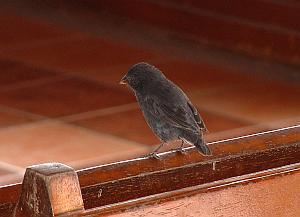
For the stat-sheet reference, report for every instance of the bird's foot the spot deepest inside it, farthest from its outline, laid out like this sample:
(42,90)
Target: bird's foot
(152,155)
(182,150)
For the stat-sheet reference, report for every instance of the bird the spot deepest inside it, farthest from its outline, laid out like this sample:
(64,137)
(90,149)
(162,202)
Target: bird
(166,108)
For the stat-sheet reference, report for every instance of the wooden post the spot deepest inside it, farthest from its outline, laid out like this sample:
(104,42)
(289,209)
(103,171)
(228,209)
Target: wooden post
(49,189)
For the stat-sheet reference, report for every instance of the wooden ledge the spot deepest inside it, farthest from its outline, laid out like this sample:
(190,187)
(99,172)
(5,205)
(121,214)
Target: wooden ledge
(114,187)
(143,204)
(142,177)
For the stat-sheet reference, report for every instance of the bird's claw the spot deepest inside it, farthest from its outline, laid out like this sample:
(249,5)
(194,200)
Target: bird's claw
(153,155)
(182,151)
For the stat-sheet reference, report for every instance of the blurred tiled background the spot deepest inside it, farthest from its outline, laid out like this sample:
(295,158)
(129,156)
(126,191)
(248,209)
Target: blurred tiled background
(60,65)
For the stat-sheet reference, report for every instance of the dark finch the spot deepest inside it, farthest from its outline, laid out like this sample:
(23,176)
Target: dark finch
(167,110)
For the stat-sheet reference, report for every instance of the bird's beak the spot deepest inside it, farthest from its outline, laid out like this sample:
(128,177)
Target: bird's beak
(124,80)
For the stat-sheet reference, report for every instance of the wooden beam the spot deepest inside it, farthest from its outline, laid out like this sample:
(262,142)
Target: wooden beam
(275,193)
(142,177)
(119,186)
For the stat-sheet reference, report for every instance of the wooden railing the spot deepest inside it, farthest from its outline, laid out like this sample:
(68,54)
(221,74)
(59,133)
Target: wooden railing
(176,180)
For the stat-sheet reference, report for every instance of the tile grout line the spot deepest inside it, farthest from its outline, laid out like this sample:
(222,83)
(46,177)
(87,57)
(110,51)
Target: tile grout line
(107,159)
(91,78)
(10,179)
(274,124)
(36,82)
(11,167)
(226,115)
(64,119)
(228,18)
(261,126)
(28,124)
(213,109)
(99,112)
(107,135)
(221,112)
(43,42)
(90,131)
(19,112)
(235,130)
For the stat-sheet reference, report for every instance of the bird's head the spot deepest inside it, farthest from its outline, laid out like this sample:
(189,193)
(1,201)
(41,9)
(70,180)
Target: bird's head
(141,76)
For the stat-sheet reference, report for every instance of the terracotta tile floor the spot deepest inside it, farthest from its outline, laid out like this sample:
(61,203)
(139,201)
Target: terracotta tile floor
(13,118)
(16,32)
(65,97)
(3,171)
(60,99)
(204,75)
(14,73)
(107,124)
(55,141)
(256,102)
(84,54)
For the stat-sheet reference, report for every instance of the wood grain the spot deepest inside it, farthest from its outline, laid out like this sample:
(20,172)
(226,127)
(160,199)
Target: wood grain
(48,190)
(110,188)
(143,177)
(267,197)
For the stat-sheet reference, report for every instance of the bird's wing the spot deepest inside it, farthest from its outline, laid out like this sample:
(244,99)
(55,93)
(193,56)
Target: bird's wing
(176,115)
(197,117)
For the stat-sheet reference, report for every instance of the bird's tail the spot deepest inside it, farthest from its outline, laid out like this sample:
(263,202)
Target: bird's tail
(202,147)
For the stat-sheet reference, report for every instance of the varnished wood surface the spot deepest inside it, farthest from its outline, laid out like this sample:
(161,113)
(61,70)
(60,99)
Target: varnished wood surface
(276,197)
(142,177)
(275,192)
(48,190)
(132,180)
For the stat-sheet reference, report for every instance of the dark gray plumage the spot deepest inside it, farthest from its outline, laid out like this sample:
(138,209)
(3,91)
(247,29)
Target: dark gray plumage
(167,110)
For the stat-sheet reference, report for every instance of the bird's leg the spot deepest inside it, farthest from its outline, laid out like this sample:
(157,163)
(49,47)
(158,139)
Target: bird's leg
(182,151)
(154,152)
